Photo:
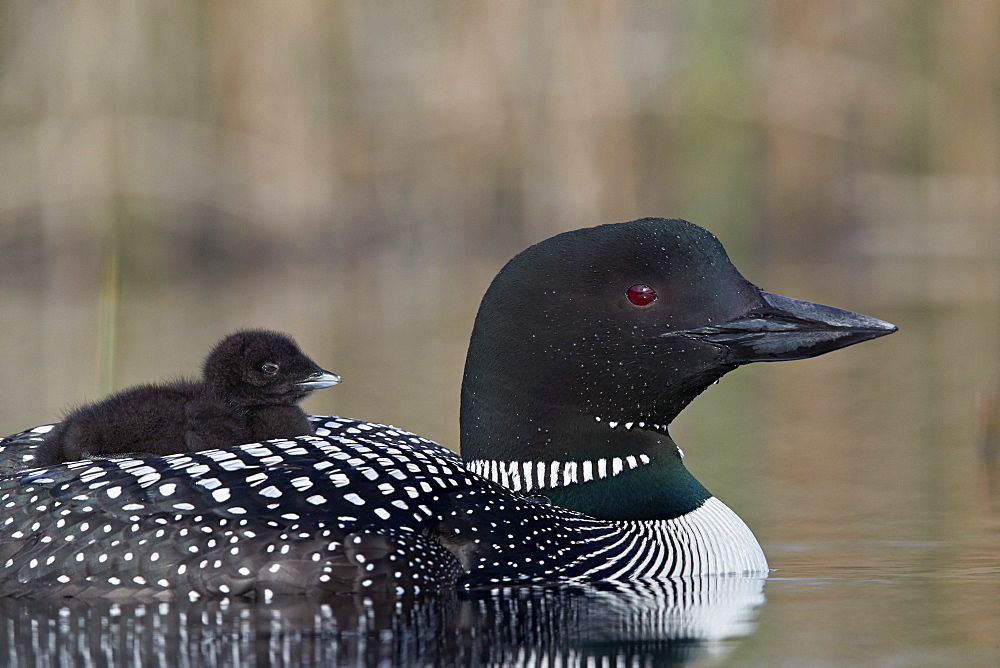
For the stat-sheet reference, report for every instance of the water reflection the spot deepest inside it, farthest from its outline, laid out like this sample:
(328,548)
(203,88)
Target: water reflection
(648,623)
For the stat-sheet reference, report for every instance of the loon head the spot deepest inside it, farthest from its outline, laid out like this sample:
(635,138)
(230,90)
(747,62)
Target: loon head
(588,344)
(259,367)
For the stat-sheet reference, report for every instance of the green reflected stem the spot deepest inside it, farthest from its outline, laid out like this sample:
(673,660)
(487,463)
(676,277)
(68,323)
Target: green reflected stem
(107,325)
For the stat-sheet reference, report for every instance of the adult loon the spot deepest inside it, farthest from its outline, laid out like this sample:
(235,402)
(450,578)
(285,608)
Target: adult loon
(585,347)
(252,382)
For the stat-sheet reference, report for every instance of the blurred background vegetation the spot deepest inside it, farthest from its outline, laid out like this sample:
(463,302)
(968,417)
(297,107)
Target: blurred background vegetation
(354,173)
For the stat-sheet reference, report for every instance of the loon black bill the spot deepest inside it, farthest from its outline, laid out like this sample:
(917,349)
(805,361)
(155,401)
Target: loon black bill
(783,328)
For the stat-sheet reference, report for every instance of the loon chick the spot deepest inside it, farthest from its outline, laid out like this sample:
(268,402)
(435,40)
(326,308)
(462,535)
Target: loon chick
(585,347)
(252,382)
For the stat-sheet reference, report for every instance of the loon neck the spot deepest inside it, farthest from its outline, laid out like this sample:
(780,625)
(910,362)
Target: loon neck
(609,469)
(659,487)
(568,413)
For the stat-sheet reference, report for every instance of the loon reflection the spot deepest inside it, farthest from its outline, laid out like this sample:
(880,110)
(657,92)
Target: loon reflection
(623,623)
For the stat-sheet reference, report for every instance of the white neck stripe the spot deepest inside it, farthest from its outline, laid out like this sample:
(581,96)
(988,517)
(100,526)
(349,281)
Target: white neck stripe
(528,476)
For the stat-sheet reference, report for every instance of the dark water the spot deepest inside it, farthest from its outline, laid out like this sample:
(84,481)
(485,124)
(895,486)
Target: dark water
(647,624)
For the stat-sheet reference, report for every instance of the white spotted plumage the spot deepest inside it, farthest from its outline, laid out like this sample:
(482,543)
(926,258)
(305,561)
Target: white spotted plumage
(307,514)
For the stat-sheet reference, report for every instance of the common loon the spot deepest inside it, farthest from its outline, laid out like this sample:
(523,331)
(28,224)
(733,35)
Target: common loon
(585,348)
(252,382)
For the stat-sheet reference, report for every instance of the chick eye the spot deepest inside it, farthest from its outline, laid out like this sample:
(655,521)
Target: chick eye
(641,295)
(270,368)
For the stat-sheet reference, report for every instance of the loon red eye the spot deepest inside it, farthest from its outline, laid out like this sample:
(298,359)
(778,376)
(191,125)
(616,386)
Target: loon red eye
(641,295)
